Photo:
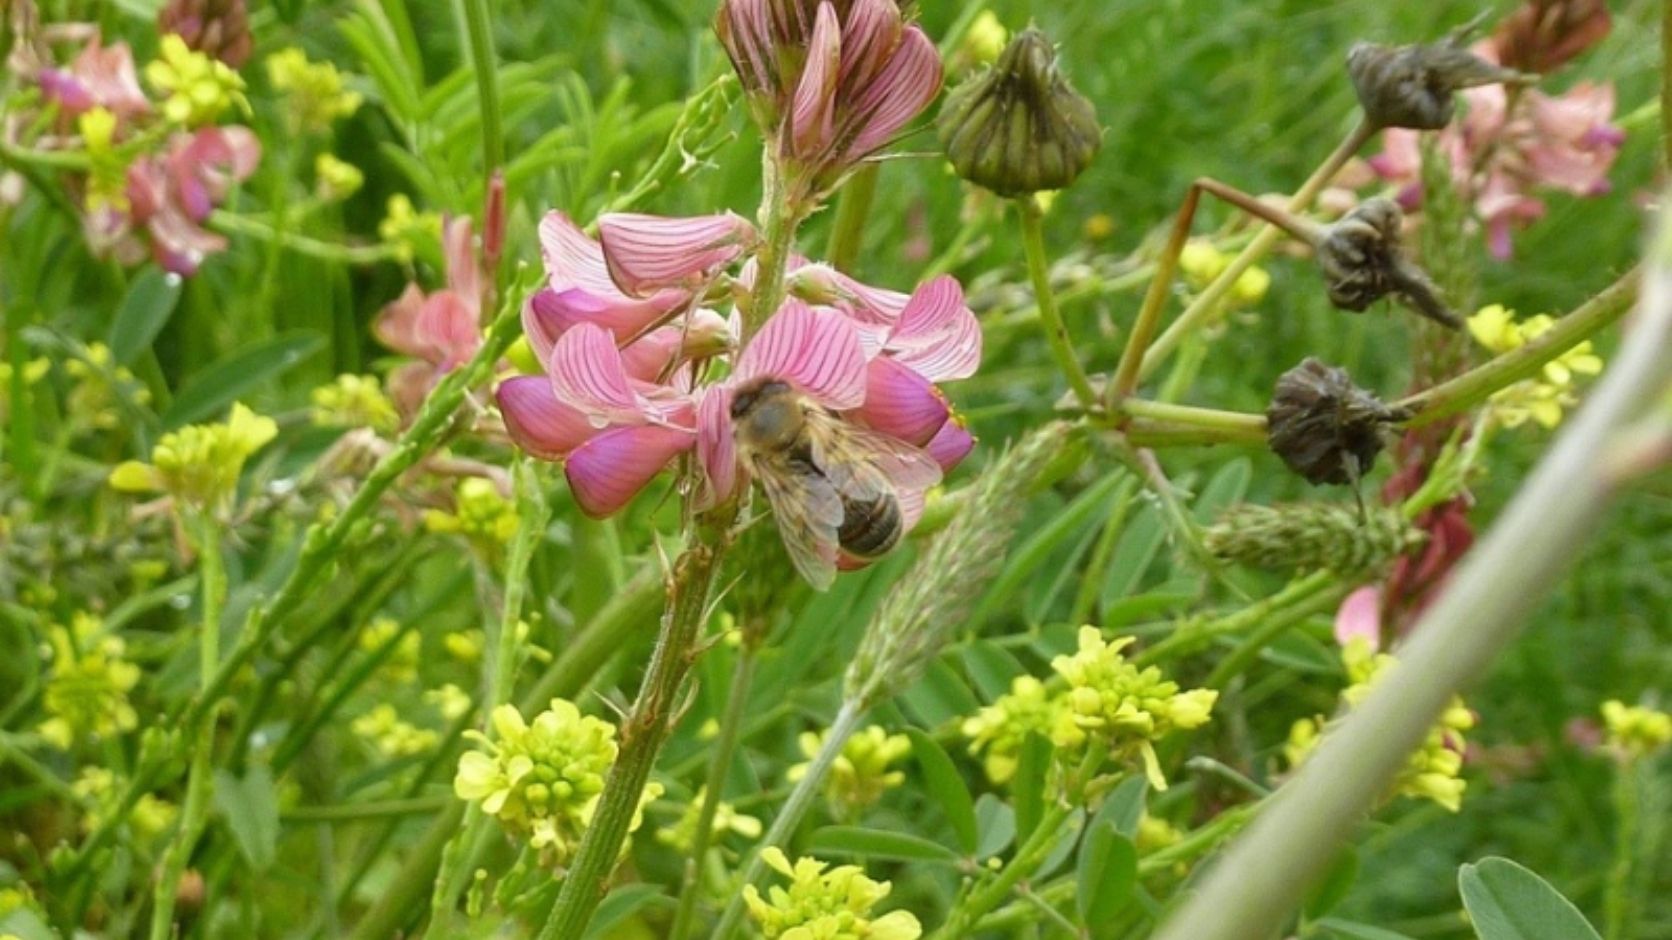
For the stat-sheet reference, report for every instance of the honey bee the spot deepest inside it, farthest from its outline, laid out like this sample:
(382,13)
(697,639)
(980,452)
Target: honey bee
(834,486)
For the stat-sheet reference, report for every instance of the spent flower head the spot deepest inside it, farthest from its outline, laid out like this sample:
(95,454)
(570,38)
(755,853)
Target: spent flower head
(861,773)
(1635,731)
(821,904)
(1311,536)
(200,463)
(314,91)
(198,87)
(87,686)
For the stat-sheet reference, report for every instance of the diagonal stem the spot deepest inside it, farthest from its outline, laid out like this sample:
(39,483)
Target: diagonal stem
(1056,333)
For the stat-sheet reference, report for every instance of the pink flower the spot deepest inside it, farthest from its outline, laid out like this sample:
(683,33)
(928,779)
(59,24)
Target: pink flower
(99,77)
(1360,615)
(170,196)
(829,82)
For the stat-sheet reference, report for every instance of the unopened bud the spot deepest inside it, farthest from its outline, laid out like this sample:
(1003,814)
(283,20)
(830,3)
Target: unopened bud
(1324,427)
(1543,35)
(1311,537)
(1362,262)
(1415,86)
(1019,127)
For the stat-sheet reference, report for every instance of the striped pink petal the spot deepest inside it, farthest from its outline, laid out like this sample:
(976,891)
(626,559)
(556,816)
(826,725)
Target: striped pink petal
(818,351)
(645,253)
(587,374)
(813,110)
(869,35)
(745,31)
(937,334)
(906,85)
(901,403)
(606,472)
(549,313)
(822,284)
(716,448)
(537,421)
(464,275)
(447,329)
(951,444)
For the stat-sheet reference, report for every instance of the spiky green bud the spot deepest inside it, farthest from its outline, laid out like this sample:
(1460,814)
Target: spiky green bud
(1311,536)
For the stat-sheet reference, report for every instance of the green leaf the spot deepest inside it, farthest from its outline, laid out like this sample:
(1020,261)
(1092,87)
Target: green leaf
(621,904)
(1336,884)
(1124,806)
(1352,930)
(1028,786)
(1508,902)
(145,310)
(995,822)
(1104,876)
(879,843)
(232,376)
(940,696)
(1134,552)
(946,787)
(1227,486)
(25,924)
(250,809)
(991,667)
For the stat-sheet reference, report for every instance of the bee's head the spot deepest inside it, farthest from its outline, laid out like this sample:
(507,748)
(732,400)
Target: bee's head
(755,394)
(767,414)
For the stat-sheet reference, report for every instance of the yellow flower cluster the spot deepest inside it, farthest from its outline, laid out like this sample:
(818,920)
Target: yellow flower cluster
(97,789)
(406,228)
(99,382)
(825,905)
(541,779)
(449,699)
(1202,262)
(401,665)
(1432,771)
(860,774)
(107,169)
(682,835)
(465,645)
(480,512)
(1543,398)
(336,179)
(314,89)
(354,401)
(1000,729)
(87,691)
(392,736)
(199,87)
(33,371)
(199,463)
(1635,731)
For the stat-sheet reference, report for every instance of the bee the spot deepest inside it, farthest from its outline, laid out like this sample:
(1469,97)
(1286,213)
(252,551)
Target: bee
(835,487)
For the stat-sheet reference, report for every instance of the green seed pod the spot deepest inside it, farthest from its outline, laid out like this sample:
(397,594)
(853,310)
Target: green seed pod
(1311,537)
(1018,127)
(1324,427)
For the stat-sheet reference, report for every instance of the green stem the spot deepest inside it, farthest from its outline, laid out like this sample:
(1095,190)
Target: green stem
(356,812)
(1056,334)
(1129,372)
(194,815)
(478,25)
(1480,383)
(230,223)
(1616,905)
(1097,567)
(1206,305)
(1320,598)
(853,207)
(1265,875)
(723,748)
(800,800)
(1299,595)
(778,224)
(1238,424)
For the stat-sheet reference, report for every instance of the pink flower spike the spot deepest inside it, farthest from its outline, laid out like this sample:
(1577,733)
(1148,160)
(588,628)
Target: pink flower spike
(606,472)
(745,31)
(869,36)
(647,252)
(906,85)
(1360,615)
(537,421)
(901,403)
(813,111)
(448,329)
(716,448)
(951,444)
(937,334)
(817,351)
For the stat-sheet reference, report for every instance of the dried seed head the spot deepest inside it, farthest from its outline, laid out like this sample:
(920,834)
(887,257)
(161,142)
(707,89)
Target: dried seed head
(1019,127)
(1324,427)
(1362,262)
(1543,35)
(1310,537)
(1414,86)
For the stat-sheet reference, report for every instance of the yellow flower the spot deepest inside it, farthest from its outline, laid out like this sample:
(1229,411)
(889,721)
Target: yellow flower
(314,90)
(33,371)
(384,729)
(1636,731)
(1542,399)
(1201,261)
(450,700)
(354,401)
(99,384)
(199,87)
(984,40)
(1125,708)
(1155,833)
(825,905)
(859,776)
(401,664)
(1001,728)
(107,171)
(87,691)
(407,229)
(480,512)
(682,835)
(1098,226)
(336,179)
(199,463)
(464,645)
(98,790)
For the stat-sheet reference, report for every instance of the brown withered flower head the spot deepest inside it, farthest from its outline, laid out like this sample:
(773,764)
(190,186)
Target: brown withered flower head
(1362,262)
(1415,86)
(1543,35)
(1324,427)
(1019,127)
(219,28)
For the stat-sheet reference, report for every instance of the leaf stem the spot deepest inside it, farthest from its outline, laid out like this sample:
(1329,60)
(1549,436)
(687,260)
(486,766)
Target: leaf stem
(1056,333)
(479,28)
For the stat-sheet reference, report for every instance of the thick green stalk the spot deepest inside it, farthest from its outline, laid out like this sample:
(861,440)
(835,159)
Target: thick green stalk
(1056,334)
(194,815)
(1264,877)
(1236,425)
(231,223)
(800,800)
(1617,910)
(853,207)
(719,762)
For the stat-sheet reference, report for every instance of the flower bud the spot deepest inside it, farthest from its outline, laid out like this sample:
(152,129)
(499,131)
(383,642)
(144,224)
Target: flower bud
(1019,127)
(1311,537)
(1414,86)
(216,28)
(1324,427)
(1543,35)
(1362,262)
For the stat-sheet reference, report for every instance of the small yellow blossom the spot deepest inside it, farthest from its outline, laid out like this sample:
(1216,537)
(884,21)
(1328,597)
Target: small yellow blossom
(354,401)
(825,905)
(393,737)
(87,690)
(314,90)
(682,835)
(1544,398)
(107,169)
(336,179)
(480,512)
(199,463)
(33,371)
(98,790)
(450,700)
(984,40)
(1202,263)
(1000,729)
(407,229)
(401,665)
(1126,708)
(100,382)
(199,87)
(1098,226)
(1155,833)
(860,775)
(1636,731)
(465,645)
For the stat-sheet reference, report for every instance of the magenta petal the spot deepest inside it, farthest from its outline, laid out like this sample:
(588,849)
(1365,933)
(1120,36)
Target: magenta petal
(458,243)
(1360,615)
(587,374)
(396,325)
(901,403)
(951,444)
(447,329)
(906,85)
(607,471)
(648,252)
(572,259)
(937,334)
(871,32)
(537,421)
(716,448)
(816,350)
(813,112)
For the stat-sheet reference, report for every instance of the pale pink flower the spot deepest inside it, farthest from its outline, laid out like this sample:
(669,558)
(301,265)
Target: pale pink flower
(442,328)
(1360,615)
(100,76)
(170,196)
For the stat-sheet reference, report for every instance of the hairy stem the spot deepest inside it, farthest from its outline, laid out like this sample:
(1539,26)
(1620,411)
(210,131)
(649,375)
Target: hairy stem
(1056,333)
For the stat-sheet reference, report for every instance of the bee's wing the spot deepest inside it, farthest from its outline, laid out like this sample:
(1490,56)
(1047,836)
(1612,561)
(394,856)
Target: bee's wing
(864,463)
(808,510)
